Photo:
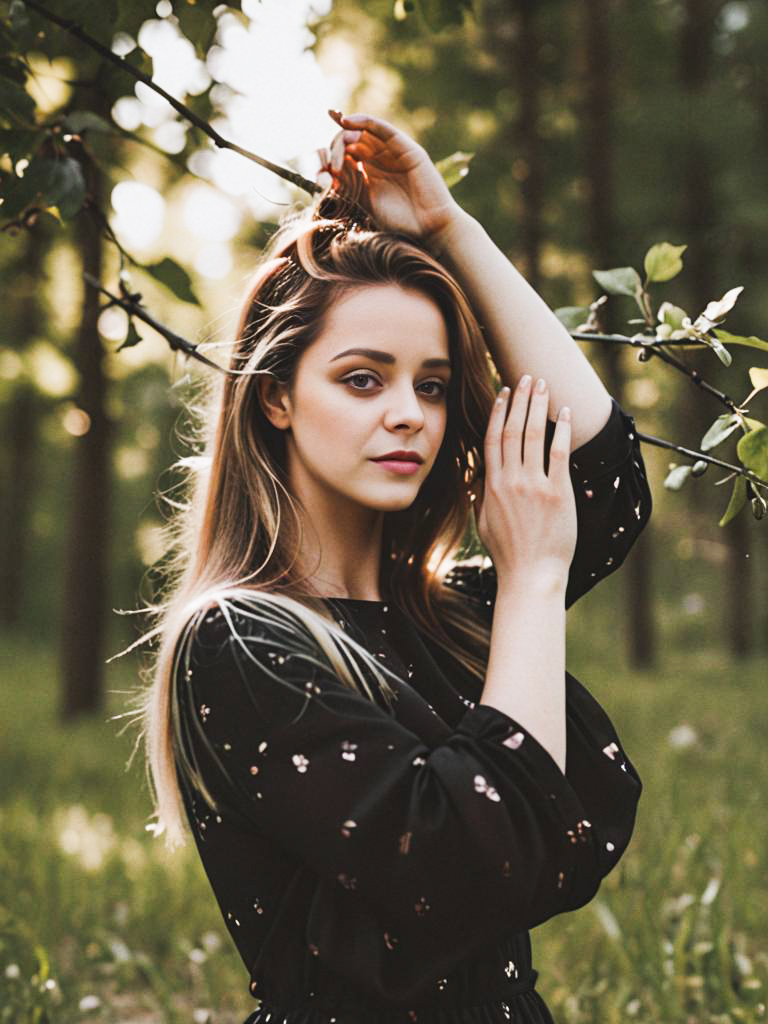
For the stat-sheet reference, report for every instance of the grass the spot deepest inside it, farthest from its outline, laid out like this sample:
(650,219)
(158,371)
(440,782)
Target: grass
(98,923)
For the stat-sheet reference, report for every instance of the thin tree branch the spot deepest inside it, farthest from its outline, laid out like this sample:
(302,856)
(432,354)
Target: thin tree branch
(74,29)
(133,308)
(693,454)
(654,348)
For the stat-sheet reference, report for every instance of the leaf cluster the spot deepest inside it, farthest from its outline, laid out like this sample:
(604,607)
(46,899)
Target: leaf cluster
(669,323)
(42,169)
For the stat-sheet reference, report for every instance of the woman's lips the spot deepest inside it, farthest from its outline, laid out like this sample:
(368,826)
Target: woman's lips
(398,466)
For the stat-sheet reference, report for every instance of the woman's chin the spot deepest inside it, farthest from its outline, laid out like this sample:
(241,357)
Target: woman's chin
(393,502)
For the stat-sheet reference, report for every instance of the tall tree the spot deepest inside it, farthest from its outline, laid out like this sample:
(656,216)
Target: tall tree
(511,34)
(62,161)
(21,415)
(700,209)
(85,590)
(598,115)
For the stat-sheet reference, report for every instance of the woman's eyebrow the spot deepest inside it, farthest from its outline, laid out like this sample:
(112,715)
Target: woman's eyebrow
(385,357)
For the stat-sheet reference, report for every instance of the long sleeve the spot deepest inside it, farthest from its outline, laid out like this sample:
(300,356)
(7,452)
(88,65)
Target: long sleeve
(613,505)
(421,854)
(613,501)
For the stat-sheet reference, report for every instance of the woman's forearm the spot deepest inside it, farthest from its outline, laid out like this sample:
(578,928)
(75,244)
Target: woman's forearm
(525,677)
(522,333)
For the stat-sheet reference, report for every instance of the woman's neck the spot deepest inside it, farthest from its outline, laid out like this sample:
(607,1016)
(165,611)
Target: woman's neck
(341,551)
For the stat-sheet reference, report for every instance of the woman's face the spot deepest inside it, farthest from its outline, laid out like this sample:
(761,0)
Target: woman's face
(373,382)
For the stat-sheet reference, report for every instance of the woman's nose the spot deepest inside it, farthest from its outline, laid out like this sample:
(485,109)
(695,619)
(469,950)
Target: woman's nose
(405,409)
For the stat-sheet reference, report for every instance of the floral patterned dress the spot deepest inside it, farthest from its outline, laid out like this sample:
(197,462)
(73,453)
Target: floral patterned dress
(377,864)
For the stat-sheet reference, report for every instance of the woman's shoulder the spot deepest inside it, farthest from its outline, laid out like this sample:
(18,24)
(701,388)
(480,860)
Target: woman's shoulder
(229,622)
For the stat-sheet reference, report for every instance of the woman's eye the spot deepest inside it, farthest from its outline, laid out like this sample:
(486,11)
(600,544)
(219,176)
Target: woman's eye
(441,388)
(359,376)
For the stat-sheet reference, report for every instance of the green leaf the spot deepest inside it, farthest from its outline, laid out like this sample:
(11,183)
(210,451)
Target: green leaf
(736,339)
(13,68)
(84,120)
(663,262)
(720,351)
(140,60)
(19,191)
(18,16)
(174,277)
(723,427)
(759,378)
(619,281)
(21,142)
(753,451)
(66,190)
(17,108)
(132,338)
(24,26)
(47,182)
(572,317)
(454,167)
(677,477)
(672,315)
(738,499)
(198,24)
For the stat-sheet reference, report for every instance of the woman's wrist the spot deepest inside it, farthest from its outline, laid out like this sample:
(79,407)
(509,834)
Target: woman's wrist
(448,238)
(544,581)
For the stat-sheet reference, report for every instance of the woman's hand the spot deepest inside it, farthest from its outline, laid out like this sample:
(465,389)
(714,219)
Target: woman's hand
(405,191)
(527,517)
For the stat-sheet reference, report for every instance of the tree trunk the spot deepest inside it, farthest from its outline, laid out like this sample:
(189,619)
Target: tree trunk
(85,595)
(598,121)
(700,211)
(510,35)
(21,433)
(528,141)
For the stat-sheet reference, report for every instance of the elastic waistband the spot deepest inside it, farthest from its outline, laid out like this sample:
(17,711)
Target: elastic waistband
(268,1013)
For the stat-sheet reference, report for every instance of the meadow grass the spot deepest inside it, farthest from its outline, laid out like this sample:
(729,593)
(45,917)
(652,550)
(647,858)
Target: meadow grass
(99,923)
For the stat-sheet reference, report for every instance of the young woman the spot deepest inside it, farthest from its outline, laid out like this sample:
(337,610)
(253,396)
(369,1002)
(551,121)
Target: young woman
(389,775)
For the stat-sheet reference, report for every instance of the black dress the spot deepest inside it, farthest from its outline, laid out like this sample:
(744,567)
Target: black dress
(385,865)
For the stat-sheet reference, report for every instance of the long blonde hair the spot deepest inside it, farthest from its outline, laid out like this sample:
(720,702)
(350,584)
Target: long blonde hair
(238,534)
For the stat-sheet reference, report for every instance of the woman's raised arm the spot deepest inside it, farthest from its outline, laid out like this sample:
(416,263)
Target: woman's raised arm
(523,335)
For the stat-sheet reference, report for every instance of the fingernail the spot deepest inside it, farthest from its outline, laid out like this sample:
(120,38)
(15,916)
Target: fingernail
(525,380)
(565,413)
(541,384)
(502,394)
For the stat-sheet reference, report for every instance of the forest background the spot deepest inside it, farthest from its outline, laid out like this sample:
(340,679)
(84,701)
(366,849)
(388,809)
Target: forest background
(598,128)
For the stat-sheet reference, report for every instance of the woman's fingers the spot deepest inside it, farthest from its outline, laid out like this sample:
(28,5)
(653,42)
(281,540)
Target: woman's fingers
(560,449)
(493,455)
(535,430)
(337,153)
(363,122)
(515,425)
(332,160)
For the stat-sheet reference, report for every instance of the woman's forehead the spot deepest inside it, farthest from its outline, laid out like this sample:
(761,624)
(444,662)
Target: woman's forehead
(405,323)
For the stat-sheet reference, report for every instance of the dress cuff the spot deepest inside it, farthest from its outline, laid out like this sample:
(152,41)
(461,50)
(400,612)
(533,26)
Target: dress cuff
(610,447)
(490,724)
